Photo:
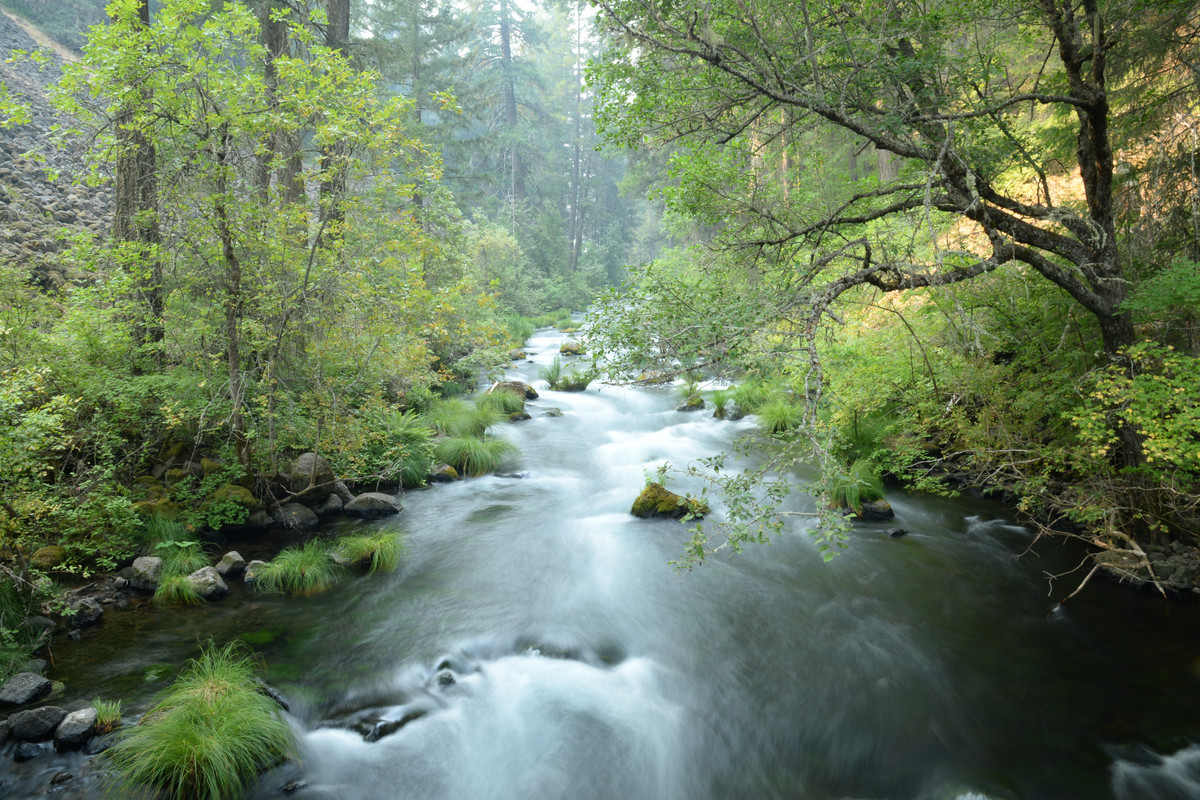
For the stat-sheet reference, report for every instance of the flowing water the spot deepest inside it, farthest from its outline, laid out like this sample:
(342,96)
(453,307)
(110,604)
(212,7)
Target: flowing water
(536,643)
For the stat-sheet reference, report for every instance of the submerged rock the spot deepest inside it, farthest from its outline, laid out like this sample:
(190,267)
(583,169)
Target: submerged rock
(658,501)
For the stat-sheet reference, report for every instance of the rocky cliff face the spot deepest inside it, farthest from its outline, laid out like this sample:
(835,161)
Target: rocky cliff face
(43,201)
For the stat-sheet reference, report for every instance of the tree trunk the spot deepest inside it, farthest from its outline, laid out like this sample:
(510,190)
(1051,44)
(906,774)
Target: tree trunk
(333,182)
(233,304)
(510,103)
(135,217)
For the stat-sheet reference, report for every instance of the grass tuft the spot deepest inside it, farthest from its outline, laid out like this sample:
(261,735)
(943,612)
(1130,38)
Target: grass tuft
(720,400)
(302,571)
(859,483)
(411,446)
(779,415)
(753,395)
(459,418)
(381,550)
(177,590)
(503,401)
(108,715)
(474,457)
(553,373)
(208,736)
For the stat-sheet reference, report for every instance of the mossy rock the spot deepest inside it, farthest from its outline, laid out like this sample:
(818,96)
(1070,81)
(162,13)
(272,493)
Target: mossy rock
(176,474)
(47,558)
(694,403)
(232,493)
(209,466)
(157,507)
(571,349)
(174,451)
(658,501)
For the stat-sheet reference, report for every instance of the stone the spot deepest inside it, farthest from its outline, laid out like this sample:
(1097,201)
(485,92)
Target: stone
(571,348)
(519,388)
(260,519)
(658,501)
(516,355)
(310,478)
(47,558)
(59,779)
(98,744)
(877,510)
(24,688)
(208,584)
(231,564)
(341,491)
(237,495)
(332,505)
(296,516)
(36,724)
(252,569)
(552,412)
(694,403)
(443,473)
(85,611)
(146,573)
(372,505)
(896,533)
(75,729)
(28,751)
(209,466)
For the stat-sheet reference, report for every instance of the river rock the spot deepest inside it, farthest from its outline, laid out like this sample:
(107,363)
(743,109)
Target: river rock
(519,388)
(332,505)
(311,478)
(443,473)
(516,355)
(231,564)
(47,558)
(24,688)
(552,412)
(658,501)
(372,505)
(252,569)
(296,516)
(146,573)
(876,510)
(239,496)
(36,724)
(694,403)
(85,611)
(571,348)
(75,729)
(208,584)
(28,751)
(341,491)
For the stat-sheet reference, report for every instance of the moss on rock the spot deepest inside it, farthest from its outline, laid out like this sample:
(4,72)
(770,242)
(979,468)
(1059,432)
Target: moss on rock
(658,501)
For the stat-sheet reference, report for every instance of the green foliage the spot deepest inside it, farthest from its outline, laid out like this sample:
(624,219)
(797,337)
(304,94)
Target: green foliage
(108,715)
(553,373)
(505,402)
(18,600)
(752,395)
(381,550)
(302,571)
(456,418)
(472,456)
(176,590)
(560,381)
(519,328)
(858,483)
(779,415)
(208,736)
(720,400)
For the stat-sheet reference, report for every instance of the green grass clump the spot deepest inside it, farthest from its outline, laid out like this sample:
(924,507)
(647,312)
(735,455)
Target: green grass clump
(553,373)
(302,571)
(561,381)
(472,456)
(503,401)
(519,328)
(753,395)
(181,558)
(552,318)
(459,418)
(859,483)
(208,736)
(720,400)
(780,415)
(176,590)
(410,440)
(108,715)
(381,550)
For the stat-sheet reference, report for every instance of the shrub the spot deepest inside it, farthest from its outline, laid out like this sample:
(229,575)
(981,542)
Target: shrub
(208,736)
(302,571)
(779,415)
(176,590)
(472,456)
(382,550)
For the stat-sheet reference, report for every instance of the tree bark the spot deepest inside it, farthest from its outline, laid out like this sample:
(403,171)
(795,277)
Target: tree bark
(510,103)
(333,183)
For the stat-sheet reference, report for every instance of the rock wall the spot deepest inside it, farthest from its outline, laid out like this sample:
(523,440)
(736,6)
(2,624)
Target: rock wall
(43,200)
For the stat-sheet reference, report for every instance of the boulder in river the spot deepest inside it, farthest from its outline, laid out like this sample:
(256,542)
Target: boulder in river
(23,688)
(443,473)
(231,564)
(36,724)
(658,501)
(694,403)
(372,505)
(75,729)
(296,516)
(208,584)
(876,510)
(311,478)
(146,573)
(519,388)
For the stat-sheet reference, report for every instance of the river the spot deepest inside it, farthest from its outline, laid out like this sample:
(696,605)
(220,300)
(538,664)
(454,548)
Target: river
(536,643)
